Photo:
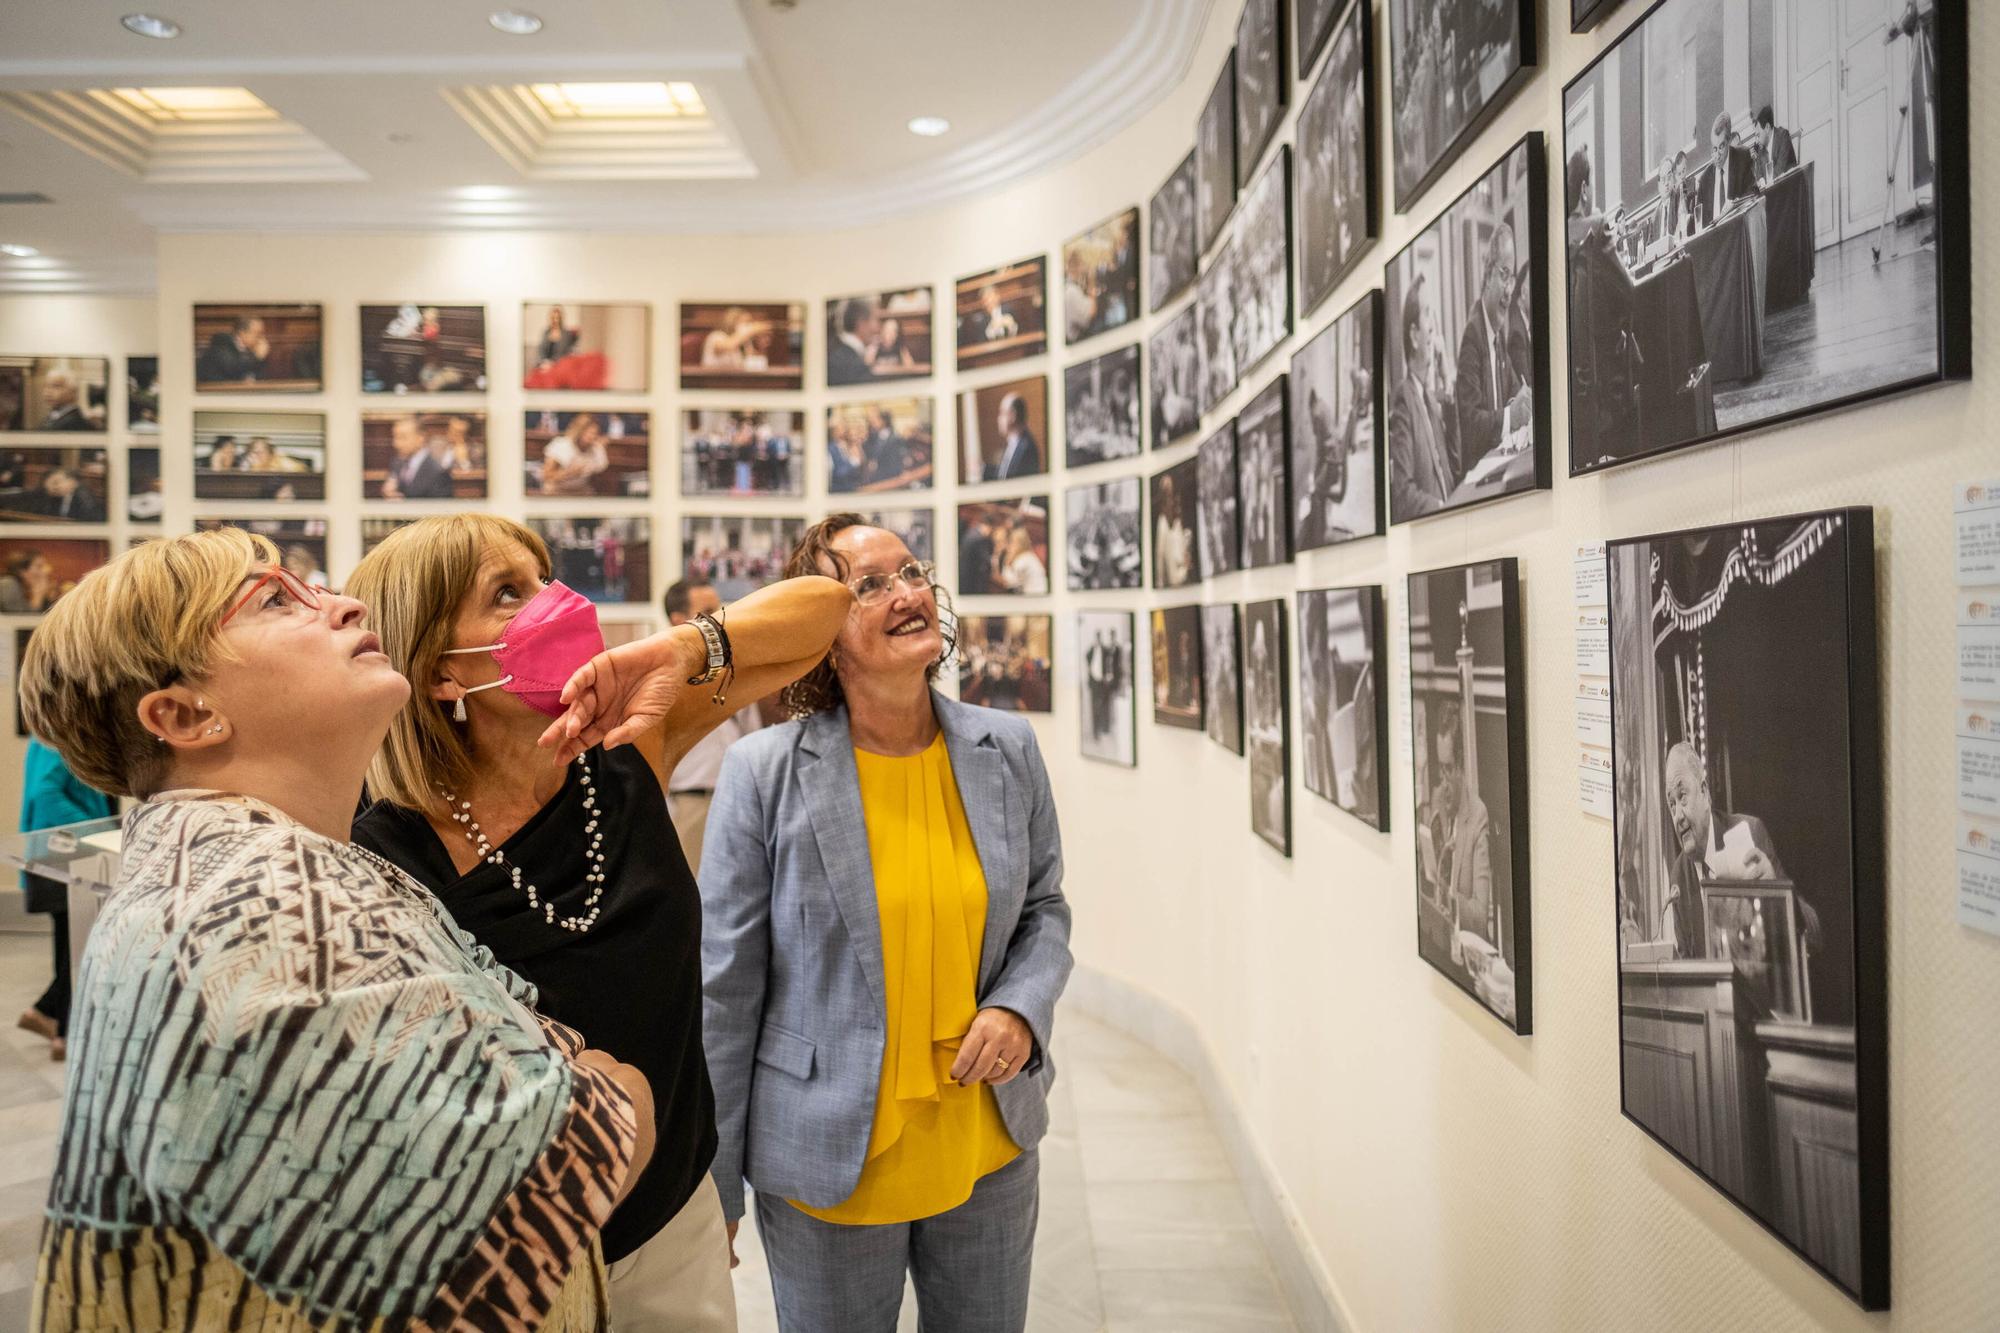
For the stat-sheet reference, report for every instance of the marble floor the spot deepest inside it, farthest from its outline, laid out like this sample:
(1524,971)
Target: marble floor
(1142,1223)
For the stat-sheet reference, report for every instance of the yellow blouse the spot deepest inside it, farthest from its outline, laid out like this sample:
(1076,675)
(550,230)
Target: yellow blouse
(932,1139)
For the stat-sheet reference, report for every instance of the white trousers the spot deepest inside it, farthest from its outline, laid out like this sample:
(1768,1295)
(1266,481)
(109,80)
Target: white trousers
(678,1282)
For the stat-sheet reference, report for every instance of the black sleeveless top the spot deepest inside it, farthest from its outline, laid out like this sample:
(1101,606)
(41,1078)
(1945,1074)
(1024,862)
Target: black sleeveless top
(631,984)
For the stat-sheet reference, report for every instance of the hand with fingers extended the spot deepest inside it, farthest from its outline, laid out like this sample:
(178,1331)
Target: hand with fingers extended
(620,694)
(996,1048)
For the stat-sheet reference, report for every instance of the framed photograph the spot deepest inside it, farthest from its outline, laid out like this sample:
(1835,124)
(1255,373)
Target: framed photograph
(1263,449)
(743,345)
(1260,250)
(54,393)
(1003,547)
(879,445)
(142,395)
(415,348)
(1101,277)
(743,452)
(1468,347)
(1336,424)
(1267,723)
(1107,689)
(586,345)
(145,493)
(1101,414)
(1177,666)
(1453,64)
(1106,549)
(423,455)
(1312,24)
(1343,710)
(1003,314)
(586,453)
(1002,430)
(1747,773)
(1175,386)
(1263,81)
(1734,266)
(277,456)
(605,559)
(878,336)
(917,528)
(1176,499)
(738,553)
(1587,14)
(1469,731)
(1222,675)
(301,543)
(54,485)
(1215,348)
(35,571)
(1006,662)
(1336,144)
(258,349)
(1173,250)
(1215,158)
(1220,541)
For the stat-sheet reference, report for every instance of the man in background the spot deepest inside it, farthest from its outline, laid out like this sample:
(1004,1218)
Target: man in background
(1493,401)
(693,783)
(1421,468)
(64,496)
(1730,175)
(1020,455)
(235,355)
(64,400)
(1774,154)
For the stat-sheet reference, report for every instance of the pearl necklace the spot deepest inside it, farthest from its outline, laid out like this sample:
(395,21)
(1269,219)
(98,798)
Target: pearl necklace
(593,856)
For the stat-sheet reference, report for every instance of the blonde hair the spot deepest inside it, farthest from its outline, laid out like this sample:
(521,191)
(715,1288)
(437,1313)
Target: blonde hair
(413,585)
(151,615)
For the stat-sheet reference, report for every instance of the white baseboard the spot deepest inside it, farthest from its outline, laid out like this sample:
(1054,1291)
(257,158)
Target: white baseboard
(1146,1018)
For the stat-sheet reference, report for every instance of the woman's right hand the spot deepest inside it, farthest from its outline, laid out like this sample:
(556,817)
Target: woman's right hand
(734,1262)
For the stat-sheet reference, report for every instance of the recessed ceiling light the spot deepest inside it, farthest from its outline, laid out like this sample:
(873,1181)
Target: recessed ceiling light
(19,251)
(929,126)
(151,25)
(515,22)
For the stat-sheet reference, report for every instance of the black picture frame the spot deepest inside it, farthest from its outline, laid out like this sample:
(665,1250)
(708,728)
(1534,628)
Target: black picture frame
(1312,24)
(1215,157)
(1104,539)
(1222,675)
(1263,467)
(1173,249)
(1263,82)
(1219,537)
(1478,605)
(1781,614)
(1016,326)
(1177,676)
(1500,471)
(1428,162)
(1587,14)
(1173,384)
(1683,368)
(1267,722)
(1109,674)
(1173,497)
(1101,424)
(1335,388)
(1341,697)
(1329,198)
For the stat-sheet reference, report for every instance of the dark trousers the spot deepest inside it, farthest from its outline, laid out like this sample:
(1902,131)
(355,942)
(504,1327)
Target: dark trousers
(55,1000)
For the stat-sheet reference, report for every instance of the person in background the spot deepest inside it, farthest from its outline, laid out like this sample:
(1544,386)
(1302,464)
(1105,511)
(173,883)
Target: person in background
(850,352)
(1020,455)
(52,796)
(234,355)
(1021,570)
(692,786)
(262,457)
(975,555)
(1729,175)
(29,586)
(1493,399)
(891,355)
(572,460)
(558,340)
(1422,470)
(64,496)
(729,344)
(417,472)
(1772,152)
(64,399)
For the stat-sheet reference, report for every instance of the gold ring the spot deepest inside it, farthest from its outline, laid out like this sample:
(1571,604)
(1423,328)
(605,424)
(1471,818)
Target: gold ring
(1001,1060)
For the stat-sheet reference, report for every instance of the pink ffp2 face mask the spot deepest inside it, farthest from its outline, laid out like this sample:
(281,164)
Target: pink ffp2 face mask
(546,643)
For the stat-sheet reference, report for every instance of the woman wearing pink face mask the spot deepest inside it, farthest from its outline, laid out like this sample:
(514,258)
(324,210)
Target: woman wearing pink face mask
(551,842)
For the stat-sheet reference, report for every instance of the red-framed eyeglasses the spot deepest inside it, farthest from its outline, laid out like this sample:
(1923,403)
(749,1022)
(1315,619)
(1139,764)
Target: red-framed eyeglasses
(304,594)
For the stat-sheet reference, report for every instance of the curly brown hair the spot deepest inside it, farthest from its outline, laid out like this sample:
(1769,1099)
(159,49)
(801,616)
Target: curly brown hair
(819,689)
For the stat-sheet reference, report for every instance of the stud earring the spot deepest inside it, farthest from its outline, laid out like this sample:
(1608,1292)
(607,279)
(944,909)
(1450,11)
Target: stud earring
(215,730)
(458,709)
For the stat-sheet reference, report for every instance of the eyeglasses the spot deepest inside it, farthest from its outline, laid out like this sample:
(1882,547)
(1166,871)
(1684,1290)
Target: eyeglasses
(870,589)
(306,595)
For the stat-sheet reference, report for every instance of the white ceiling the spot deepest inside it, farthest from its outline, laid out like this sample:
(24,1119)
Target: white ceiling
(817,96)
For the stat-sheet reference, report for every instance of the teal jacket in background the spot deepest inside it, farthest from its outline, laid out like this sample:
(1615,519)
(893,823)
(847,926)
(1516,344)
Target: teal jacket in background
(51,796)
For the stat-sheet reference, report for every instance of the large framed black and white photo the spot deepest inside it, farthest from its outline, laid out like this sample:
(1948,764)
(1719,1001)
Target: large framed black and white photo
(1106,549)
(1336,144)
(1220,539)
(1215,158)
(1336,427)
(1467,347)
(1260,252)
(1110,701)
(1177,678)
(1174,387)
(1222,675)
(1343,710)
(1173,249)
(1102,415)
(1267,723)
(1262,455)
(1746,747)
(1788,239)
(1469,735)
(1263,81)
(1453,64)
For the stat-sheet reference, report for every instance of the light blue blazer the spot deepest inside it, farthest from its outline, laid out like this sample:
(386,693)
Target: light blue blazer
(793,1007)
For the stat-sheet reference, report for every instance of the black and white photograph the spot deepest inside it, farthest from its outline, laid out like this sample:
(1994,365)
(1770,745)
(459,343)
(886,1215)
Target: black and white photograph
(743,345)
(1587,14)
(1765,220)
(1006,662)
(917,528)
(1101,277)
(586,345)
(416,348)
(1222,675)
(259,456)
(883,444)
(1003,547)
(1177,666)
(1101,408)
(1260,251)
(142,395)
(1467,347)
(301,543)
(1003,431)
(1003,313)
(1336,146)
(1219,542)
(1107,687)
(1104,525)
(1312,24)
(145,489)
(416,456)
(1215,158)
(1453,64)
(743,452)
(1336,424)
(1469,736)
(1263,453)
(878,336)
(1175,507)
(54,394)
(1267,723)
(1172,248)
(738,553)
(587,453)
(1343,711)
(54,485)
(1215,341)
(1263,81)
(1747,779)
(605,559)
(258,349)
(1174,386)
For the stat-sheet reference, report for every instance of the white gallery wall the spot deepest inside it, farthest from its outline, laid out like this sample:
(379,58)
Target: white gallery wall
(1439,1172)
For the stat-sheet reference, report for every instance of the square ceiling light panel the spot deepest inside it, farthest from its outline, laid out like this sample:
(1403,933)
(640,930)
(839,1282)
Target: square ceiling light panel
(603,131)
(184,136)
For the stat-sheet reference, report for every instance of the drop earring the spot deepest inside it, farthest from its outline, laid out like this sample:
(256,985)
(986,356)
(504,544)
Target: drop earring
(458,709)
